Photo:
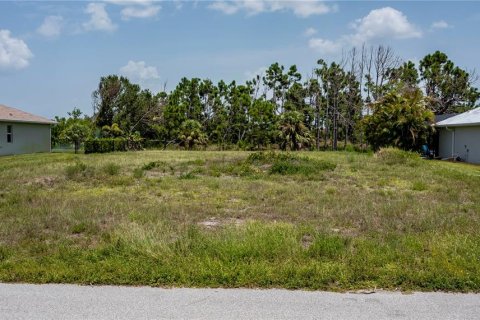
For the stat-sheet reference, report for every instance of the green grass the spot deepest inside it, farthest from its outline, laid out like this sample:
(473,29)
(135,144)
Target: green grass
(316,220)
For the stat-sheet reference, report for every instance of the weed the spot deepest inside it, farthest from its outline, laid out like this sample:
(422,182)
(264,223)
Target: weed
(419,186)
(187,176)
(138,173)
(111,169)
(393,156)
(79,169)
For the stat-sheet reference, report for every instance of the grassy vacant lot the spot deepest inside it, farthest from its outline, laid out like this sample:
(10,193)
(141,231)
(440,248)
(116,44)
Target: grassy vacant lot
(325,220)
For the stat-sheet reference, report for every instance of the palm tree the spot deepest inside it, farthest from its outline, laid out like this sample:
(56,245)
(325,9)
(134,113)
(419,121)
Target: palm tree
(191,134)
(294,135)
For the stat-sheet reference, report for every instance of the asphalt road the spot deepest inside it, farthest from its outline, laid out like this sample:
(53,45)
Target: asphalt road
(23,301)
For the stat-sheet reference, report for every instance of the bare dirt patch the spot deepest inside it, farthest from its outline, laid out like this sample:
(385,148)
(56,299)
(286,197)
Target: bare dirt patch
(214,223)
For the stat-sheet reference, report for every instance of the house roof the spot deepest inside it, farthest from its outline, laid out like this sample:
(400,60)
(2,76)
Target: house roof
(15,115)
(441,117)
(469,118)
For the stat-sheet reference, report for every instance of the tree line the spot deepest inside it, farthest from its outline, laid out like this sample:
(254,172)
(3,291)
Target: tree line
(368,97)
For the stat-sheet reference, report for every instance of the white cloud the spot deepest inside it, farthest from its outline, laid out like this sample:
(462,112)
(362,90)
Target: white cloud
(227,8)
(383,23)
(14,53)
(140,12)
(130,2)
(99,19)
(442,24)
(51,26)
(325,46)
(138,70)
(302,9)
(137,8)
(310,32)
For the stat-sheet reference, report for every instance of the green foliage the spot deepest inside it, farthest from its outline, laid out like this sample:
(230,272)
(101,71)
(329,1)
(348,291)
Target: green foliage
(294,135)
(74,130)
(399,119)
(191,135)
(449,88)
(153,144)
(262,124)
(121,107)
(105,145)
(279,109)
(112,131)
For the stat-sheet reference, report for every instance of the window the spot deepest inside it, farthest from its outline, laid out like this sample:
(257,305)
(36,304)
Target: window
(9,134)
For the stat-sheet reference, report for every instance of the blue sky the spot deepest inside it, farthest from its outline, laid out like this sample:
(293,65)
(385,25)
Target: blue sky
(52,54)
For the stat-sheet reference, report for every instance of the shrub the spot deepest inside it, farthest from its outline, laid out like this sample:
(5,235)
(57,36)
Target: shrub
(105,145)
(111,169)
(399,119)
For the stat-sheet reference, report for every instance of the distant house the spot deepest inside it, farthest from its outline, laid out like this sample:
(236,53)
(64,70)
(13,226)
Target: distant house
(459,136)
(22,132)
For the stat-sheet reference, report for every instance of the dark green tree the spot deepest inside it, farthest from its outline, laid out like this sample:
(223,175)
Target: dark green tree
(449,89)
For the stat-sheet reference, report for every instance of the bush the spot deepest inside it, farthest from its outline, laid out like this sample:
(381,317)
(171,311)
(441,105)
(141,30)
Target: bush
(111,169)
(393,156)
(399,119)
(105,145)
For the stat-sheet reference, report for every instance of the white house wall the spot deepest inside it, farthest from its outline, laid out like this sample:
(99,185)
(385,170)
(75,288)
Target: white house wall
(27,138)
(466,145)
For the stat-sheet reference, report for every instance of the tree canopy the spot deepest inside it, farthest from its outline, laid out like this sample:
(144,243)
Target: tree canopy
(337,104)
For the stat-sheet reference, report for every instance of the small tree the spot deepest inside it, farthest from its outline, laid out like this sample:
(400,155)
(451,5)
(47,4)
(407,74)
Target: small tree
(112,131)
(399,119)
(294,135)
(76,132)
(191,134)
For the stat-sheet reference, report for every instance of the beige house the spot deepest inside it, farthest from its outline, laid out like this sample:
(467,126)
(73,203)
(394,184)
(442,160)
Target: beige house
(22,132)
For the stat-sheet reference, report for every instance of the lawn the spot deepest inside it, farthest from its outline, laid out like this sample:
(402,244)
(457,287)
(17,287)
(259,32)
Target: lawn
(316,220)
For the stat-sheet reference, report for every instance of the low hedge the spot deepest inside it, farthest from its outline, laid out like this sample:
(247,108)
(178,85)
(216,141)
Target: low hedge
(104,145)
